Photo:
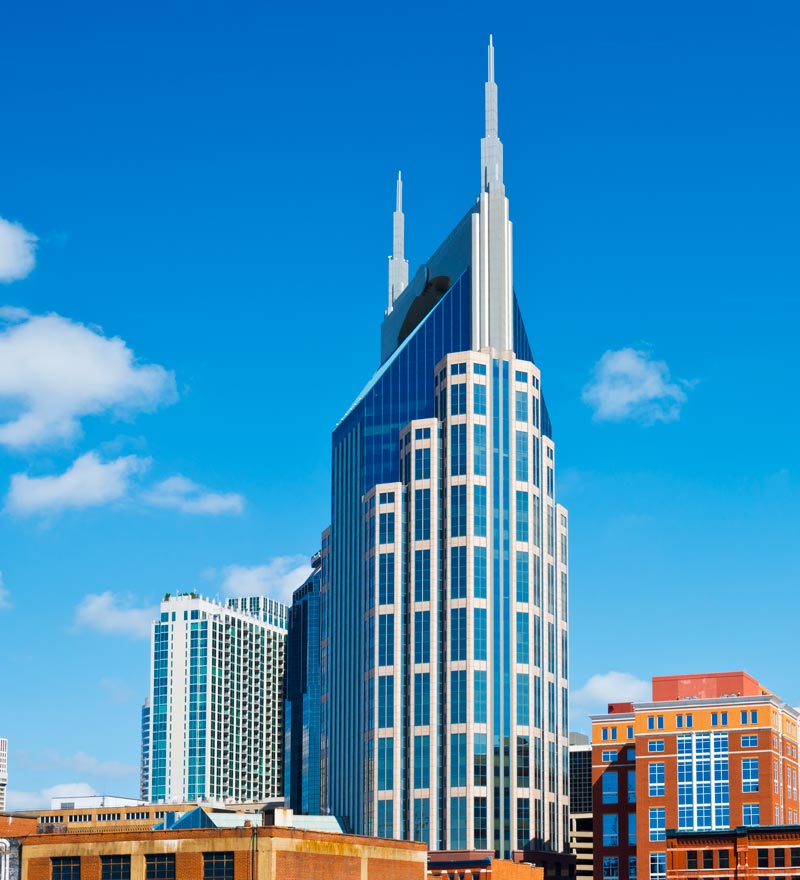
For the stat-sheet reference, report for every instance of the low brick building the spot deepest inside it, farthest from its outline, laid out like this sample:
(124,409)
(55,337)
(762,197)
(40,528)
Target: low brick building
(244,853)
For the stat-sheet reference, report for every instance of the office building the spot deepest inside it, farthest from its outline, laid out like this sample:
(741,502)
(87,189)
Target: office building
(301,780)
(216,700)
(3,772)
(444,603)
(708,753)
(580,805)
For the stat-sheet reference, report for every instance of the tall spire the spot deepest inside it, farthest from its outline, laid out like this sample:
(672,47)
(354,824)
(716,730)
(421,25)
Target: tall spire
(491,147)
(398,264)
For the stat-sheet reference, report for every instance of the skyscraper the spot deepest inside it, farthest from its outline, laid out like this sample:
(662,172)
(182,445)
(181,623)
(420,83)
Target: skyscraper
(3,772)
(215,728)
(444,594)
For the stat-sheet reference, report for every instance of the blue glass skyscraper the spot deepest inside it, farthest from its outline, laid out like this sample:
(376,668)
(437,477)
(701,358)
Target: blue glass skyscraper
(444,582)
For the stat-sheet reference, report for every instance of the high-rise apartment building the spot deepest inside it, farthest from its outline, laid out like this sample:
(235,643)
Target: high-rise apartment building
(709,752)
(216,700)
(3,772)
(444,590)
(301,774)
(144,755)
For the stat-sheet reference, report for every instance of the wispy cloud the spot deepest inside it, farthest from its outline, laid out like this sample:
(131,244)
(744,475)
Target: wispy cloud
(608,687)
(630,384)
(17,251)
(278,578)
(88,482)
(38,800)
(54,372)
(111,614)
(181,493)
(5,596)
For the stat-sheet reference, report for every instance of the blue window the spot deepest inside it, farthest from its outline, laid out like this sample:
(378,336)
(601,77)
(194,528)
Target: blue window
(521,406)
(480,511)
(479,579)
(655,722)
(750,742)
(632,868)
(519,376)
(631,829)
(537,462)
(458,572)
(479,369)
(386,578)
(535,405)
(522,516)
(458,511)
(480,633)
(479,767)
(458,450)
(422,820)
(385,823)
(385,763)
(751,814)
(523,703)
(522,456)
(655,745)
(385,639)
(658,866)
(479,399)
(537,640)
(422,514)
(458,759)
(422,575)
(480,696)
(422,698)
(719,719)
(750,774)
(610,868)
(458,823)
(422,463)
(458,633)
(522,575)
(658,823)
(610,829)
(458,696)
(422,761)
(749,717)
(479,463)
(610,787)
(550,482)
(655,778)
(385,701)
(458,399)
(458,369)
(422,636)
(631,786)
(523,652)
(386,533)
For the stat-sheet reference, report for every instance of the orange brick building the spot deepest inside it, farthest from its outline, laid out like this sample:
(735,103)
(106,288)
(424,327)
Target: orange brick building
(708,753)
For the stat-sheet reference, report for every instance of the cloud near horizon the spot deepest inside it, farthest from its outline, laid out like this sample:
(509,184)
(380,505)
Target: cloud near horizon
(607,687)
(278,578)
(110,614)
(630,384)
(54,372)
(17,251)
(181,493)
(37,800)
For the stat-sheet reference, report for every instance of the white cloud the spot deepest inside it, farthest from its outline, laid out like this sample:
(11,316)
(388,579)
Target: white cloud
(5,596)
(609,687)
(629,384)
(278,578)
(88,482)
(17,251)
(54,372)
(37,800)
(181,493)
(114,615)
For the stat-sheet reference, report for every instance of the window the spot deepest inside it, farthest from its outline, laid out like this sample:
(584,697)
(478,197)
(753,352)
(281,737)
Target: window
(763,858)
(522,516)
(631,829)
(386,578)
(610,787)
(691,859)
(523,653)
(422,757)
(480,697)
(522,456)
(609,756)
(458,511)
(422,463)
(723,858)
(708,859)
(386,532)
(480,511)
(779,858)
(385,767)
(630,733)
(116,868)
(750,814)
(610,868)
(749,717)
(458,572)
(479,462)
(66,867)
(458,369)
(422,638)
(458,450)
(658,866)
(794,856)
(749,774)
(658,823)
(458,399)
(479,369)
(522,575)
(480,633)
(655,745)
(750,741)
(631,786)
(385,700)
(422,575)
(719,719)
(160,866)
(655,722)
(385,823)
(479,398)
(610,829)
(422,698)
(479,579)
(422,514)
(386,639)
(683,721)
(631,867)
(521,406)
(458,696)
(655,773)
(458,634)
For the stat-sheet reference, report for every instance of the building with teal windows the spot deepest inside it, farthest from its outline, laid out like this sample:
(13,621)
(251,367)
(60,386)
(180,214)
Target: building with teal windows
(214,731)
(444,592)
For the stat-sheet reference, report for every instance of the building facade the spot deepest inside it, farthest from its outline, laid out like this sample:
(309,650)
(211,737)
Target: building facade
(444,594)
(709,753)
(3,772)
(581,835)
(302,772)
(216,700)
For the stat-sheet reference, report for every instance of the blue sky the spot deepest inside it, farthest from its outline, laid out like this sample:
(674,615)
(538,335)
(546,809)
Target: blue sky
(197,202)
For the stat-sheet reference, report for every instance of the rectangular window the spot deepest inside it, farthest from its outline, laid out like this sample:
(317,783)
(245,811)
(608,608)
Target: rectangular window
(522,576)
(479,766)
(159,866)
(610,787)
(655,773)
(610,868)
(386,530)
(458,633)
(458,759)
(522,516)
(691,859)
(610,829)
(609,756)
(422,698)
(458,450)
(458,399)
(655,745)
(750,814)
(523,622)
(385,700)
(480,633)
(66,867)
(422,575)
(458,511)
(458,823)
(631,829)
(763,858)
(422,514)
(458,572)
(422,463)
(479,578)
(708,859)
(479,454)
(480,696)
(385,819)
(422,636)
(750,742)
(631,867)
(458,696)
(794,857)
(521,406)
(385,763)
(523,690)
(658,866)
(750,774)
(631,786)
(479,399)
(481,820)
(522,456)
(422,757)
(723,858)
(658,823)
(480,511)
(115,867)
(779,858)
(217,866)
(386,578)
(386,639)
